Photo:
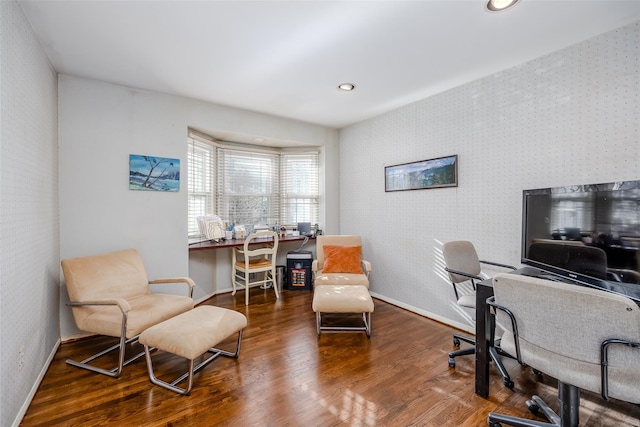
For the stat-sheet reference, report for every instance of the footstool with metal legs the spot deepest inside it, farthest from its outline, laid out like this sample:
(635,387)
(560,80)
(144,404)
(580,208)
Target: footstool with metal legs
(192,334)
(343,299)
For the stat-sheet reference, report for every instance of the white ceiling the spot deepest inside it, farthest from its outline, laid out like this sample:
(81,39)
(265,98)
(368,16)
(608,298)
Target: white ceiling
(286,58)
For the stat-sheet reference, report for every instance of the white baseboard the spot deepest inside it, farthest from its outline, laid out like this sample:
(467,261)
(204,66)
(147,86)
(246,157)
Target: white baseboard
(217,292)
(36,384)
(463,327)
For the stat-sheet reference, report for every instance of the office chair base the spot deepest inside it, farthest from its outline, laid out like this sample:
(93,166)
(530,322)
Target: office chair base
(506,379)
(569,398)
(457,338)
(462,352)
(493,353)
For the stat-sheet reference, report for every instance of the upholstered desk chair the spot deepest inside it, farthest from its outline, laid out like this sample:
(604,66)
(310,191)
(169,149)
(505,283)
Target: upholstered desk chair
(339,261)
(259,262)
(463,265)
(110,295)
(585,338)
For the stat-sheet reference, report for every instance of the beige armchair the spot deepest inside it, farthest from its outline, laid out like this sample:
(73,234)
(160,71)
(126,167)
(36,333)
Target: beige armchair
(341,282)
(110,295)
(339,261)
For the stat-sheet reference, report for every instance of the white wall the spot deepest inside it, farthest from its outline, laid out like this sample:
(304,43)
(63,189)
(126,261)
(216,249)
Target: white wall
(572,117)
(29,257)
(100,125)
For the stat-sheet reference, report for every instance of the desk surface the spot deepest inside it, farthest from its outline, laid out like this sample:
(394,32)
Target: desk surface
(210,244)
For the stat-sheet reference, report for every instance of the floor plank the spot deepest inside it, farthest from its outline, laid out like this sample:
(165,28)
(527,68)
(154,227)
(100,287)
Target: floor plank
(286,376)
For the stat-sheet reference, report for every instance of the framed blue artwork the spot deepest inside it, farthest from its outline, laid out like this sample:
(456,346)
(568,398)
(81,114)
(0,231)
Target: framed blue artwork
(152,173)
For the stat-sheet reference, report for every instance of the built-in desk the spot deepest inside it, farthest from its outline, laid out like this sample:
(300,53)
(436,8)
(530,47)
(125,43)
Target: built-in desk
(485,323)
(210,263)
(231,243)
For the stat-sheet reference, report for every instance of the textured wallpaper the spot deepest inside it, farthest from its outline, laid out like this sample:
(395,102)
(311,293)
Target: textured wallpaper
(29,243)
(570,117)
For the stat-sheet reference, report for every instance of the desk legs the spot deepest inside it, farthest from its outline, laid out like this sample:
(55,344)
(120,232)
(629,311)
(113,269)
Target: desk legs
(484,338)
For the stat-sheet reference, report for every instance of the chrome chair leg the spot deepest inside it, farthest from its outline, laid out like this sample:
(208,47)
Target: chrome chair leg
(191,371)
(121,346)
(366,328)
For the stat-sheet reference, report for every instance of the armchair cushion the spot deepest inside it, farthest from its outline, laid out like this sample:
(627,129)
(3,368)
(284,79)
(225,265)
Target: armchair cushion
(341,279)
(146,311)
(119,274)
(342,259)
(119,280)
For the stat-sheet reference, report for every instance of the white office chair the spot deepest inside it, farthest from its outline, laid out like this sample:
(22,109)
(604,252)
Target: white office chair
(247,262)
(585,338)
(463,265)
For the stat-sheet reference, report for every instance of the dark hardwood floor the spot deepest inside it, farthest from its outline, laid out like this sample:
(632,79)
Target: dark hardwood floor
(286,376)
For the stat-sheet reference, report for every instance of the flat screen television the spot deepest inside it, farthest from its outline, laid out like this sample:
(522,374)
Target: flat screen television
(585,233)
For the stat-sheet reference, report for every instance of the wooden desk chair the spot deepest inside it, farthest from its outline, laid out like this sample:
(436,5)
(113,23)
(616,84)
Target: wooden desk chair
(247,263)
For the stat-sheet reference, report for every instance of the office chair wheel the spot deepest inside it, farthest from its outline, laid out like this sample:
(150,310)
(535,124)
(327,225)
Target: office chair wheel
(536,372)
(494,424)
(456,342)
(452,362)
(509,384)
(533,407)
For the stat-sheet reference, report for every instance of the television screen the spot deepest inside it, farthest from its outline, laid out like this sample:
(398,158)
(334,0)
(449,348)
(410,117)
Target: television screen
(584,232)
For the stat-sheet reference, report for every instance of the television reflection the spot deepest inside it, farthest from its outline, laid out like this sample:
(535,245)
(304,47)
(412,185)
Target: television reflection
(591,230)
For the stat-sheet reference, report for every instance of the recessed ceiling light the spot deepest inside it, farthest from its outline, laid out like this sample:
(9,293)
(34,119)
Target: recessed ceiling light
(500,5)
(347,87)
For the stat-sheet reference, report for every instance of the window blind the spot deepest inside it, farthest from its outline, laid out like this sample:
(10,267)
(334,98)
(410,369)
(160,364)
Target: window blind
(250,185)
(247,187)
(299,199)
(201,160)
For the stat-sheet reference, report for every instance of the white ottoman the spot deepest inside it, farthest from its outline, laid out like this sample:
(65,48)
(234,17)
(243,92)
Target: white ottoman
(343,299)
(190,335)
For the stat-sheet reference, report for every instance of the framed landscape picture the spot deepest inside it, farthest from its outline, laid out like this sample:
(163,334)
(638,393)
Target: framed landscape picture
(152,173)
(433,173)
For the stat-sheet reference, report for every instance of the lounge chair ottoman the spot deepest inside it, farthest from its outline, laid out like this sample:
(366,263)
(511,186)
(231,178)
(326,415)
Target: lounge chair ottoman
(343,299)
(192,334)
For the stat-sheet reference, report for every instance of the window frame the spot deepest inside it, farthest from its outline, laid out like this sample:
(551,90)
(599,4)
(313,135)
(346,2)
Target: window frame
(281,194)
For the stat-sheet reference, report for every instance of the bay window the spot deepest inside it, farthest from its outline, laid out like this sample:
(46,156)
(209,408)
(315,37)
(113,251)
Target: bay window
(251,185)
